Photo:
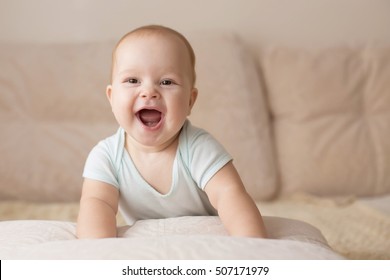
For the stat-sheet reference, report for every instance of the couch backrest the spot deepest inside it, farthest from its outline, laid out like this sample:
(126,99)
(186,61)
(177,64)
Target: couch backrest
(295,120)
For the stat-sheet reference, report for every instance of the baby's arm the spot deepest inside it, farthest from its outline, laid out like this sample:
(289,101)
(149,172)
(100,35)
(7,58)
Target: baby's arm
(237,210)
(98,208)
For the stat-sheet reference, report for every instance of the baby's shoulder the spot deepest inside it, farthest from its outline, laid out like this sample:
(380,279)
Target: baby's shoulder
(194,139)
(191,134)
(112,146)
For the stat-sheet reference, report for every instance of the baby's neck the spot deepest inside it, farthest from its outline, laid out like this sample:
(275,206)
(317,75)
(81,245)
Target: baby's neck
(155,165)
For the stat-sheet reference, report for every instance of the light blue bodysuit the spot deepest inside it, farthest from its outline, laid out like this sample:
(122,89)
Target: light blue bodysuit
(198,158)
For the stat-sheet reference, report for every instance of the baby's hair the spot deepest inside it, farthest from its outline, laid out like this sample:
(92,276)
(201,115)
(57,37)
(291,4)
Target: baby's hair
(159,29)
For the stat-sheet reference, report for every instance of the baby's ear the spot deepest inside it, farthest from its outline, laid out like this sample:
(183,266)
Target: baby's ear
(193,96)
(109,92)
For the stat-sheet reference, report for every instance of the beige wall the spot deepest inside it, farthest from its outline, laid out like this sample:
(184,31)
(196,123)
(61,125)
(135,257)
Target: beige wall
(308,22)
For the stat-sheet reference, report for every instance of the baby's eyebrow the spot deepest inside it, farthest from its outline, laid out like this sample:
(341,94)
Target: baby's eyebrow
(127,72)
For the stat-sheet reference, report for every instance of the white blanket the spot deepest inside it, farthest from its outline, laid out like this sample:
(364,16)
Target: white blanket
(174,238)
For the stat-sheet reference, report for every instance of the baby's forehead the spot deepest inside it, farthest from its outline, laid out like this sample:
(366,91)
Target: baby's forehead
(151,37)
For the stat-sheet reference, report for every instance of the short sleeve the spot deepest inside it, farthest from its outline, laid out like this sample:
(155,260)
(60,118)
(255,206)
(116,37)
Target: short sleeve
(206,156)
(100,166)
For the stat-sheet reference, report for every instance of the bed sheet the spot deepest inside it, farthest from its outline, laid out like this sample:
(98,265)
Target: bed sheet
(357,228)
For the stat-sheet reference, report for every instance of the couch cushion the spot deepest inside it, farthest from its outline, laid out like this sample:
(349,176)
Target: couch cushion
(331,118)
(53,110)
(231,106)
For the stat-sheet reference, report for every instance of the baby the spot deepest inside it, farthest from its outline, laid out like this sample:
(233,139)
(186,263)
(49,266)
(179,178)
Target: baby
(157,165)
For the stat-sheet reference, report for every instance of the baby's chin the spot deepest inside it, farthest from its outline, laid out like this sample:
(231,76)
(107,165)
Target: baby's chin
(153,140)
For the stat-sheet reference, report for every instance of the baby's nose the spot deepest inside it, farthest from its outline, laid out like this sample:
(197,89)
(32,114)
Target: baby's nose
(149,93)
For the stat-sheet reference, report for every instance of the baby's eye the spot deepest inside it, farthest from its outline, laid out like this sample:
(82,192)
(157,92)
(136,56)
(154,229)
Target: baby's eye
(166,82)
(132,81)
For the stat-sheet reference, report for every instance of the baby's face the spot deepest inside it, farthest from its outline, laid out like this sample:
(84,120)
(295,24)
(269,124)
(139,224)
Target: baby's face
(152,89)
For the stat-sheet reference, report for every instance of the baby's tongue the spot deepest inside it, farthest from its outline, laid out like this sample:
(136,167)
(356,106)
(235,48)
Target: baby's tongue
(150,117)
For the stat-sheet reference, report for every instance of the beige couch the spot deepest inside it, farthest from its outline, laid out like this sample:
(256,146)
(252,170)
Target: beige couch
(308,130)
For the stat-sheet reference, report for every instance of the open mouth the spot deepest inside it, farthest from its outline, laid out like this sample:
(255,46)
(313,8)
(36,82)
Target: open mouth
(149,117)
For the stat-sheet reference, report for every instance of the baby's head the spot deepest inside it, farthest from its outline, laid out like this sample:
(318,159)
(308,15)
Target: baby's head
(152,88)
(156,30)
